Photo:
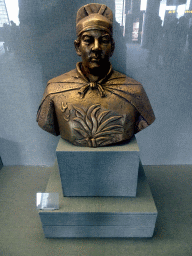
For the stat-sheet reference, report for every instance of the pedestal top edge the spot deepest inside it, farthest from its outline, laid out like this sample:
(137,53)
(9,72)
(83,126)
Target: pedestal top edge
(146,213)
(130,145)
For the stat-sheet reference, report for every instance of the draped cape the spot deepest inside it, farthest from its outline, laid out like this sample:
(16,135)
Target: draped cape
(124,87)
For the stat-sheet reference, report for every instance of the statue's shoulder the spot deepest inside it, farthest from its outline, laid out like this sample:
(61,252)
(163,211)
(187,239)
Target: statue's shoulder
(61,83)
(133,91)
(123,79)
(64,78)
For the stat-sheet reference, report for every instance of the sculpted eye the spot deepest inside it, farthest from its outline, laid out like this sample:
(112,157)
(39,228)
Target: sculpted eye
(105,39)
(87,39)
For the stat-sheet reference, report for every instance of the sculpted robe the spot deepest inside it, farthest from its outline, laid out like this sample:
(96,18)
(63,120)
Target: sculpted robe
(94,114)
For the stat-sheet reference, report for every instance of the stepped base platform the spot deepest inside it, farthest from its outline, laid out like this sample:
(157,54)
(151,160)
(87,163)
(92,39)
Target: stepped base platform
(102,217)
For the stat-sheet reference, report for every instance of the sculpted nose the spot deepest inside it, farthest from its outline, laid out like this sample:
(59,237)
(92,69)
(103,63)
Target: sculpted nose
(96,45)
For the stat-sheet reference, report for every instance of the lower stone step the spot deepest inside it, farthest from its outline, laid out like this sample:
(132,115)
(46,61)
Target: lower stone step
(100,216)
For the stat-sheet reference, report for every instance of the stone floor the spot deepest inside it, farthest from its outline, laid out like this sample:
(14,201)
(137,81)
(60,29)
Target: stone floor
(22,234)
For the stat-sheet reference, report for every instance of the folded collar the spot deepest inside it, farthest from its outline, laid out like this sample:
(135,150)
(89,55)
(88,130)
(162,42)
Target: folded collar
(93,85)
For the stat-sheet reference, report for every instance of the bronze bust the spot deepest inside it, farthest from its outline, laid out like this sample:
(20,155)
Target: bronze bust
(93,105)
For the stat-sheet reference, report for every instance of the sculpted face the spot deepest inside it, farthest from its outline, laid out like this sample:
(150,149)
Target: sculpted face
(95,48)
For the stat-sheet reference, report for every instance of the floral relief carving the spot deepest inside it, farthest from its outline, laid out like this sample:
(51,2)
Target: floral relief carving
(96,127)
(64,111)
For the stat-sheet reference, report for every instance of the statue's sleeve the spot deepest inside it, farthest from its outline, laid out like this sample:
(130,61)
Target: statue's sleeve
(133,92)
(141,124)
(146,114)
(46,116)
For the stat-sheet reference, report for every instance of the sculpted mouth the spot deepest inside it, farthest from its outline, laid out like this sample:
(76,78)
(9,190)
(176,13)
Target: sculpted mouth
(95,59)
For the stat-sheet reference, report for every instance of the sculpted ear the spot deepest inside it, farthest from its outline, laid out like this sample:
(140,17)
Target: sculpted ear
(112,47)
(77,47)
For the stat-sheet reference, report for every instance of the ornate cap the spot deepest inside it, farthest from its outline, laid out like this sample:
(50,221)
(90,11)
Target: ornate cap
(94,16)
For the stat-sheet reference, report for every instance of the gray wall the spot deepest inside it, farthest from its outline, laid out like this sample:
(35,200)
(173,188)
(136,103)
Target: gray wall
(44,49)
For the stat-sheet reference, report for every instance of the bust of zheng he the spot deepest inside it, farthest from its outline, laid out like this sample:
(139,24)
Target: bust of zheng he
(94,105)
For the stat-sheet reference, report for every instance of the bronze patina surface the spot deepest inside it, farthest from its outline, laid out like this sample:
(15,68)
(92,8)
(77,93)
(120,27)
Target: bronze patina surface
(93,105)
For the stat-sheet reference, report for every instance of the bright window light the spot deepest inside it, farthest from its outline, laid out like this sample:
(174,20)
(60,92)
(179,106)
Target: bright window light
(188,4)
(180,10)
(162,10)
(13,10)
(143,5)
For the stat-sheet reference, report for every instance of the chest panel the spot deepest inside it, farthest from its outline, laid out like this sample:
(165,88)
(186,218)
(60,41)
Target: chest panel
(94,120)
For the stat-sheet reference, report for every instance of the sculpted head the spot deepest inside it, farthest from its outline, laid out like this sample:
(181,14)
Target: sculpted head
(94,42)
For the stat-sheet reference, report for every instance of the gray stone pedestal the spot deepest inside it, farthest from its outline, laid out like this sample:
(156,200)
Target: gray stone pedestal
(103,171)
(97,189)
(100,216)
